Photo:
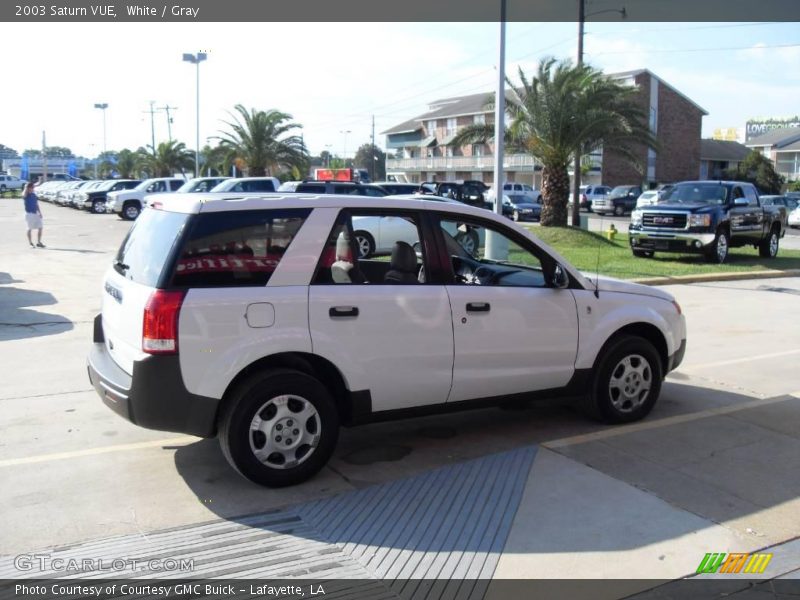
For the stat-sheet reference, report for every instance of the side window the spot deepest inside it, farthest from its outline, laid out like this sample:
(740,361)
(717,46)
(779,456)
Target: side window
(495,259)
(175,184)
(737,193)
(237,248)
(368,191)
(264,185)
(751,196)
(155,187)
(376,248)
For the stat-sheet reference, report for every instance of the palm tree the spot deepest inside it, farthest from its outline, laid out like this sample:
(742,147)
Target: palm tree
(126,164)
(562,108)
(261,141)
(168,158)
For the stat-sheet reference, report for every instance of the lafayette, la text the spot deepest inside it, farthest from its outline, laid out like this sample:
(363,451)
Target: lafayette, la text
(165,591)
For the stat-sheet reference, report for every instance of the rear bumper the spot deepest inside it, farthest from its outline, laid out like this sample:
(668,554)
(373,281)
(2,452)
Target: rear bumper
(153,396)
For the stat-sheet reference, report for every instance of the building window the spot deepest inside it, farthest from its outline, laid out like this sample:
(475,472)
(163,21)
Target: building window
(479,120)
(477,150)
(653,120)
(449,151)
(431,127)
(451,126)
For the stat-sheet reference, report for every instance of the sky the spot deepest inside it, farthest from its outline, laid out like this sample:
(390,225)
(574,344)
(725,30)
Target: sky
(332,78)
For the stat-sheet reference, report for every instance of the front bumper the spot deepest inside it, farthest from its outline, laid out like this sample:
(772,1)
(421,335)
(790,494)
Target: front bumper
(676,359)
(113,206)
(154,396)
(669,241)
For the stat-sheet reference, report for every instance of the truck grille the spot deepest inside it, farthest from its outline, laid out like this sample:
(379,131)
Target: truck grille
(664,220)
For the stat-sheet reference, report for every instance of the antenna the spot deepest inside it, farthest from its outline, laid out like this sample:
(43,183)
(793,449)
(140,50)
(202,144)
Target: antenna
(597,267)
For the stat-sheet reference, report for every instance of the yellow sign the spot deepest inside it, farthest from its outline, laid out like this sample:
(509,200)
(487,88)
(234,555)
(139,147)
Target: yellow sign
(728,134)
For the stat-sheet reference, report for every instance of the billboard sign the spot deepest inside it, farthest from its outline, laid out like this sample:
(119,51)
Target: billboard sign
(757,127)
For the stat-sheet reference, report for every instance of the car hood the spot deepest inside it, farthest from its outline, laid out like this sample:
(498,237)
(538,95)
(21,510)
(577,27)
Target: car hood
(609,284)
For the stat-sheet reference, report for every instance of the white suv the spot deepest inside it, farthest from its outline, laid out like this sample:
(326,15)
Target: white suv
(128,204)
(252,318)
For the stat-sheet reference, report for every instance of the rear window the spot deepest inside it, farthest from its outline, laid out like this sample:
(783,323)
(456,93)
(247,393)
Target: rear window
(147,246)
(238,248)
(314,188)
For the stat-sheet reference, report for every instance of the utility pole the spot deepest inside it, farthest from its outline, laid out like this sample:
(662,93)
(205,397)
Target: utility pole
(152,112)
(372,153)
(44,156)
(576,170)
(168,108)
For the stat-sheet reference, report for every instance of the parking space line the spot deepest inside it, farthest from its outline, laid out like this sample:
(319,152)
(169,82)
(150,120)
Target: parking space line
(734,361)
(27,460)
(665,422)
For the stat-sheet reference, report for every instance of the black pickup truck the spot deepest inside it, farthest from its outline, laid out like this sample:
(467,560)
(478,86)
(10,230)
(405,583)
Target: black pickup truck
(707,217)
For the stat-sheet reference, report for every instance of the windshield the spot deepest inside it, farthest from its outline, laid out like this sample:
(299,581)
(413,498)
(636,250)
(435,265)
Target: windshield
(693,193)
(621,190)
(144,185)
(792,203)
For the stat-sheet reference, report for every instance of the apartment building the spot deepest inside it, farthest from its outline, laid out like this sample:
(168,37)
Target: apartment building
(424,147)
(782,147)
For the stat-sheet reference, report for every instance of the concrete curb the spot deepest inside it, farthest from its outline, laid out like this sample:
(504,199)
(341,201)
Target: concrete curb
(711,277)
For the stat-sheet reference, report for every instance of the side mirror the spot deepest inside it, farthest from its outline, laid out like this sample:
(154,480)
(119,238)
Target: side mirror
(560,278)
(741,202)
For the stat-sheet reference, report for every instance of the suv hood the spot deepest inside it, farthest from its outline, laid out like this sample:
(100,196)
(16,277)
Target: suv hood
(609,284)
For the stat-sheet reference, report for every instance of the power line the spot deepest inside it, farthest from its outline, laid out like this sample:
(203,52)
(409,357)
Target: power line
(678,50)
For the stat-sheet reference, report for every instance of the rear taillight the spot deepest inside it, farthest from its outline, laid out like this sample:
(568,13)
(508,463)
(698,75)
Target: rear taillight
(160,326)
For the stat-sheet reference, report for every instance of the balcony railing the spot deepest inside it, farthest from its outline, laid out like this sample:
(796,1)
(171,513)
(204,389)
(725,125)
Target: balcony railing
(459,163)
(519,162)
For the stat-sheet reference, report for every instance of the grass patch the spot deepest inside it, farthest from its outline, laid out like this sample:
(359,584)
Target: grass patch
(584,248)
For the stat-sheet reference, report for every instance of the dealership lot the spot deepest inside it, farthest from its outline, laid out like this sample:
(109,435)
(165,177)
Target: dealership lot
(713,469)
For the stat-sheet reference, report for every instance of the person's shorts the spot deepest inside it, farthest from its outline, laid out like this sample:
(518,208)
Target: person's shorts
(34,221)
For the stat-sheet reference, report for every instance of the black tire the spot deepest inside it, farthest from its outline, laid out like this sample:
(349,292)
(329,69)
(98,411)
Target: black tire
(768,248)
(718,251)
(2,189)
(603,403)
(643,253)
(254,396)
(365,244)
(98,207)
(619,210)
(130,211)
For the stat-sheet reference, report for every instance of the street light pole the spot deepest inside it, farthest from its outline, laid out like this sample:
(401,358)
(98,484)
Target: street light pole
(344,149)
(196,59)
(103,107)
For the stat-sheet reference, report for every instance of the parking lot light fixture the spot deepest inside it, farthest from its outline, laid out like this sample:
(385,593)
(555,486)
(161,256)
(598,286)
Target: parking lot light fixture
(196,59)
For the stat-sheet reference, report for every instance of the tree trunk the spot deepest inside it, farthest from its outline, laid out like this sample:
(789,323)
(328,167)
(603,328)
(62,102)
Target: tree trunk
(555,191)
(255,171)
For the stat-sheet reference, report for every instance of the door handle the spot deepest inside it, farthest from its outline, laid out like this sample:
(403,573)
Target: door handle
(343,311)
(478,307)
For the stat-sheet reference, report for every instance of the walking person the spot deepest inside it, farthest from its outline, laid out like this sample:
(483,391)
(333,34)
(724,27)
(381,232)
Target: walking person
(33,216)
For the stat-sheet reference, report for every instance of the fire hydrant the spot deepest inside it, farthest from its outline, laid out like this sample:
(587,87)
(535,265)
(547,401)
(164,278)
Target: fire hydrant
(611,232)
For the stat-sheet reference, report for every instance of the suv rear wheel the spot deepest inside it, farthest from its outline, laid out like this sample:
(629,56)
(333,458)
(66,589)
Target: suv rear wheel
(627,381)
(279,427)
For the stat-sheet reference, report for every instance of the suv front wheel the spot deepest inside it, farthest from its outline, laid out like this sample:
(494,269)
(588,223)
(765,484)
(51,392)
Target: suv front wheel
(627,381)
(279,427)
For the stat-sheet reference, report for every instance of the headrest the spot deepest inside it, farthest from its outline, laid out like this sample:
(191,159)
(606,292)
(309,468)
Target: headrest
(403,257)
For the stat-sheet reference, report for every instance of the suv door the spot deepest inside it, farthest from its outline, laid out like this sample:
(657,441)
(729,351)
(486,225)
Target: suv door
(512,331)
(743,218)
(384,323)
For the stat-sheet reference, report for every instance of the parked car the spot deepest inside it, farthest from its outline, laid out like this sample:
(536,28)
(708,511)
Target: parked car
(11,183)
(471,192)
(340,187)
(708,217)
(95,199)
(788,201)
(63,196)
(648,198)
(620,200)
(588,193)
(793,219)
(517,189)
(128,204)
(248,184)
(200,184)
(289,186)
(520,208)
(395,188)
(215,323)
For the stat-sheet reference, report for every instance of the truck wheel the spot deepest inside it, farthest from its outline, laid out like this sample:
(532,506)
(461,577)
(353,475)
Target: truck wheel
(769,246)
(717,252)
(643,253)
(2,189)
(365,243)
(619,210)
(130,211)
(98,207)
(627,381)
(279,427)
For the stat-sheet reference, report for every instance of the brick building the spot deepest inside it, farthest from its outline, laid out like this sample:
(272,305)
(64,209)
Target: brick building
(424,149)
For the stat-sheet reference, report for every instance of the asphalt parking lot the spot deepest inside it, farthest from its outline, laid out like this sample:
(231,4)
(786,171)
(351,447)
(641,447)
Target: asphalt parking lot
(713,469)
